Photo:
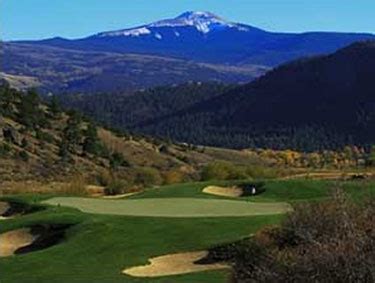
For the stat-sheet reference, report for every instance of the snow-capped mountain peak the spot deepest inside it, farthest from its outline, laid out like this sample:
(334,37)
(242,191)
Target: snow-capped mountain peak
(204,22)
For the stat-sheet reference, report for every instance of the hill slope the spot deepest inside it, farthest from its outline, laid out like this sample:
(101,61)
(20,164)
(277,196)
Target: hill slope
(64,70)
(126,110)
(324,102)
(41,143)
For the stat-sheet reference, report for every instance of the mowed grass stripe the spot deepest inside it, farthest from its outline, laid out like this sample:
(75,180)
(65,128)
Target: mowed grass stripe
(171,207)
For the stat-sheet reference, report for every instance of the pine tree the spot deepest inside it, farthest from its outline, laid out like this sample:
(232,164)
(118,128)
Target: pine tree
(91,142)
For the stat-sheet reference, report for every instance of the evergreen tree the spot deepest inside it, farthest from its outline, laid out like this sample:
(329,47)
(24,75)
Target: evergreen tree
(91,143)
(54,107)
(72,132)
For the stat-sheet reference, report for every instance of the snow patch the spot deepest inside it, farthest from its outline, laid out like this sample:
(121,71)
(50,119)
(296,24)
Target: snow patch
(204,22)
(128,32)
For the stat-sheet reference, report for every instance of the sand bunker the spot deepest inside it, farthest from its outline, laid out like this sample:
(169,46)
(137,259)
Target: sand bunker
(4,207)
(95,191)
(11,241)
(121,195)
(174,264)
(224,191)
(13,209)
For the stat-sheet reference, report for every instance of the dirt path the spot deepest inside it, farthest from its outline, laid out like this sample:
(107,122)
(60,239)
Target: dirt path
(13,240)
(173,264)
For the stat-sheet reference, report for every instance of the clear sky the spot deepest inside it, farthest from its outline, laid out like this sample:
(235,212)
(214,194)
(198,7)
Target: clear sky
(36,19)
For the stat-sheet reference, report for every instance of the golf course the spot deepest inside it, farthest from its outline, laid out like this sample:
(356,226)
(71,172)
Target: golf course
(172,207)
(154,236)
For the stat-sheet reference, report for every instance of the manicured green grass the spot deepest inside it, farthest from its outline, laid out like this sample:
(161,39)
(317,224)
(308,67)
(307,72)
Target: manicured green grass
(98,247)
(275,190)
(172,207)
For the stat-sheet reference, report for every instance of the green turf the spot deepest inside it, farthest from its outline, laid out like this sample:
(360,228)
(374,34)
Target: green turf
(275,190)
(100,246)
(171,207)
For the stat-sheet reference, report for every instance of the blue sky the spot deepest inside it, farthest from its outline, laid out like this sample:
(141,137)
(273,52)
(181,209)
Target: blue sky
(36,19)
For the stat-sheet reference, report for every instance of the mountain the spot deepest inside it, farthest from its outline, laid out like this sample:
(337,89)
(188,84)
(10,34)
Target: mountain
(193,46)
(205,37)
(309,104)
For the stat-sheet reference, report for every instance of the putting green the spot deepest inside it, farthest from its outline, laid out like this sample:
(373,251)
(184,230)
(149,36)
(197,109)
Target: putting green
(171,207)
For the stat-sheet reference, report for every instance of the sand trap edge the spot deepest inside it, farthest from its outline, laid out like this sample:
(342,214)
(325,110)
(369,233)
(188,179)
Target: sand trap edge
(173,264)
(233,192)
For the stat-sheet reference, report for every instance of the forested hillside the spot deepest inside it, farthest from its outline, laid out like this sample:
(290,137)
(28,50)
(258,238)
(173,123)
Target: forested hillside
(325,102)
(40,142)
(128,109)
(309,104)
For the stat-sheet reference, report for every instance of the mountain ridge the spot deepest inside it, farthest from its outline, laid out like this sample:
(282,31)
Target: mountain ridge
(194,37)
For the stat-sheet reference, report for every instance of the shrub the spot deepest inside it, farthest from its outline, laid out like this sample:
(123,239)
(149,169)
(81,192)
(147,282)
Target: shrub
(174,177)
(116,160)
(116,187)
(24,143)
(44,136)
(23,155)
(148,176)
(223,171)
(104,178)
(331,241)
(77,186)
(4,150)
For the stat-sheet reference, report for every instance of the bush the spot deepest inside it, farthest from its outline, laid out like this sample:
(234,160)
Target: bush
(104,178)
(44,136)
(223,171)
(77,186)
(174,177)
(116,160)
(331,241)
(23,155)
(261,172)
(148,176)
(116,187)
(4,150)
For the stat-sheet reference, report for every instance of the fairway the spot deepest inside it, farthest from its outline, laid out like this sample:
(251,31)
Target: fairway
(172,207)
